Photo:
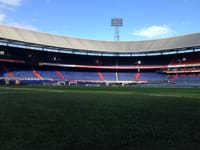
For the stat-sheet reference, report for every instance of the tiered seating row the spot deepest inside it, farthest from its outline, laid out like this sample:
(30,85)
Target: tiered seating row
(90,75)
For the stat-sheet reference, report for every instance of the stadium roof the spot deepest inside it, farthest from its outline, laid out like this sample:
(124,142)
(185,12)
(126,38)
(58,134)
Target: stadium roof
(27,36)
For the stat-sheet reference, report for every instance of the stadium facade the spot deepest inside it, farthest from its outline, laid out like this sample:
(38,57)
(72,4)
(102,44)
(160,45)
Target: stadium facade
(29,57)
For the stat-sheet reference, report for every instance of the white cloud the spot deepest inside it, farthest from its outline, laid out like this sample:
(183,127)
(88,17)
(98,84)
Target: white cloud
(5,20)
(19,25)
(22,26)
(156,31)
(2,18)
(10,2)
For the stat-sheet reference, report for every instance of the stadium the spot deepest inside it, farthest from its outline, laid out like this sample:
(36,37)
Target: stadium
(99,75)
(112,94)
(51,59)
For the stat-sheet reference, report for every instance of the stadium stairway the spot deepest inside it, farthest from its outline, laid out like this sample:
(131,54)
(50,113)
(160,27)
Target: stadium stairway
(36,74)
(10,73)
(137,76)
(101,77)
(174,77)
(60,75)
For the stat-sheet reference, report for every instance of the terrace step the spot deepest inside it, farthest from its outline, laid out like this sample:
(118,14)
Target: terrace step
(101,77)
(137,76)
(36,74)
(10,73)
(60,75)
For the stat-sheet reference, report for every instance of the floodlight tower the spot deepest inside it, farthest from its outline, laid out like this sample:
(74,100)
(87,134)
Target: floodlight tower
(116,22)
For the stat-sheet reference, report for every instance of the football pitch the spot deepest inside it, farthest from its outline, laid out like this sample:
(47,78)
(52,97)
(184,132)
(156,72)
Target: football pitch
(99,118)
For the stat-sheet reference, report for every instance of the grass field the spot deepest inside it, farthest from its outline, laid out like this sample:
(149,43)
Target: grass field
(65,118)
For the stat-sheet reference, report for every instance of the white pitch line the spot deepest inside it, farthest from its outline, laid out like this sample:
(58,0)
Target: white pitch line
(32,89)
(15,92)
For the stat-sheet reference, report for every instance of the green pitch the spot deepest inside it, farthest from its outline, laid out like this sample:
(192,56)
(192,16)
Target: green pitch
(65,118)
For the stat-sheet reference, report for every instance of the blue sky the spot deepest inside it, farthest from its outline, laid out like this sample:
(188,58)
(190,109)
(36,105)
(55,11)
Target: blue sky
(90,19)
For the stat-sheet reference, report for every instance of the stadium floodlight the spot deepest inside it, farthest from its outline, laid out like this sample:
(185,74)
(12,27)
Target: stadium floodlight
(184,59)
(2,53)
(116,22)
(139,62)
